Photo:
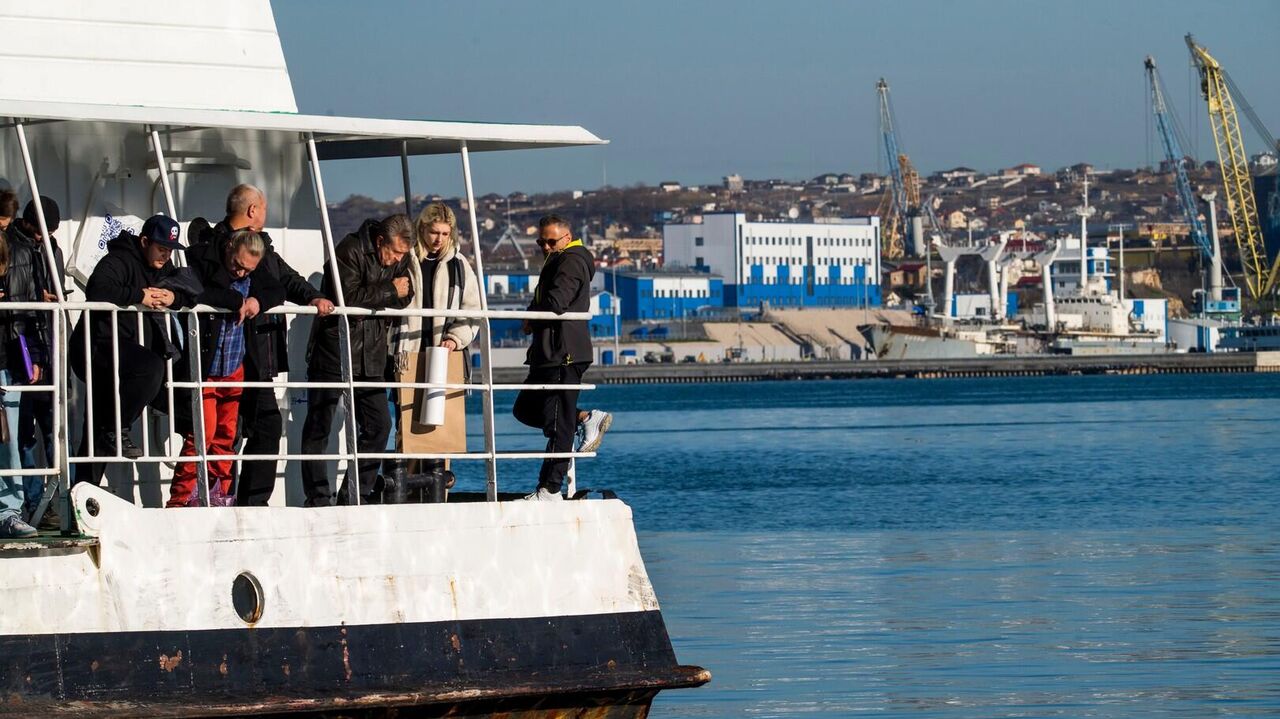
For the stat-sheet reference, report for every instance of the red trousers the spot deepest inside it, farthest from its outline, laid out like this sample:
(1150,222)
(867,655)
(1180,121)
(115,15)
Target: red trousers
(221,406)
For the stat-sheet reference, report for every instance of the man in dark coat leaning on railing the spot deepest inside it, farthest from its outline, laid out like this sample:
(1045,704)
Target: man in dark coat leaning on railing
(134,271)
(373,266)
(233,278)
(261,423)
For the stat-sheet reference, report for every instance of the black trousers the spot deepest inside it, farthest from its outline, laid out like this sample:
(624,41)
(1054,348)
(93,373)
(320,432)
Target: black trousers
(373,421)
(262,425)
(141,379)
(555,412)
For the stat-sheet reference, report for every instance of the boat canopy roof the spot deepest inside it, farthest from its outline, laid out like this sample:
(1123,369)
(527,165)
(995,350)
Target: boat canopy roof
(337,138)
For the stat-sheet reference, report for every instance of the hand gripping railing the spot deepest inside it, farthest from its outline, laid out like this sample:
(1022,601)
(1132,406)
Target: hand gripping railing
(196,384)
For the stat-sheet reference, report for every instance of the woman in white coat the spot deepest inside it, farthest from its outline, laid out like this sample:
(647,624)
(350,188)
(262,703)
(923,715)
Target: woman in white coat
(441,279)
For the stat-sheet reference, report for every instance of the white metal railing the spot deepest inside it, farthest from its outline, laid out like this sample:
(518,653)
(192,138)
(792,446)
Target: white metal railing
(62,323)
(350,453)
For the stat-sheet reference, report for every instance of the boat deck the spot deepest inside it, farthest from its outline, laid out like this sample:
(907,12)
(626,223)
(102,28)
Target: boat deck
(47,540)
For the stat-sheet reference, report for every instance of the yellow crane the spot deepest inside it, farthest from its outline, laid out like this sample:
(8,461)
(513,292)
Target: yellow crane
(892,224)
(1242,206)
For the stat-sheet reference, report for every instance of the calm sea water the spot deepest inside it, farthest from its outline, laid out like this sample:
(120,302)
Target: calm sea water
(1038,547)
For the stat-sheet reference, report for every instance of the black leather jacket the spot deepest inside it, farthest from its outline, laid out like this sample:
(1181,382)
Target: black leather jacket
(365,283)
(26,280)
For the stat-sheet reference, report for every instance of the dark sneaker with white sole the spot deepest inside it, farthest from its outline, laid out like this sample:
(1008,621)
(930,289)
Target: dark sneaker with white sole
(12,527)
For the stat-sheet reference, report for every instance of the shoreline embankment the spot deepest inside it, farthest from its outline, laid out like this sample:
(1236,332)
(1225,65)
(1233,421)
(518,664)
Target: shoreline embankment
(996,366)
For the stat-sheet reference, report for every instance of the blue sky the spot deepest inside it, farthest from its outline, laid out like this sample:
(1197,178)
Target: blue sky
(694,90)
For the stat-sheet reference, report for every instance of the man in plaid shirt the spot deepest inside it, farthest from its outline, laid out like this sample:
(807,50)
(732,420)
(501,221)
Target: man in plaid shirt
(228,271)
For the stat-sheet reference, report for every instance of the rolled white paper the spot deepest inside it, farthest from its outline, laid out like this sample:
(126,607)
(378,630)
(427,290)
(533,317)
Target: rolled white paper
(437,373)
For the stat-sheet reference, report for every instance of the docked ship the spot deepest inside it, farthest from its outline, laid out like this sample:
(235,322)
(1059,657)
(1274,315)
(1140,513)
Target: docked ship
(912,342)
(477,607)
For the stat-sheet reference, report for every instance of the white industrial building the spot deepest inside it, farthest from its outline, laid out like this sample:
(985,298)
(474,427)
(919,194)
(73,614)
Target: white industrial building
(815,264)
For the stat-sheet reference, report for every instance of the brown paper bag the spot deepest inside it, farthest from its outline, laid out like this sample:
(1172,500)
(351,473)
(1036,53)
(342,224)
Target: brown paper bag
(417,437)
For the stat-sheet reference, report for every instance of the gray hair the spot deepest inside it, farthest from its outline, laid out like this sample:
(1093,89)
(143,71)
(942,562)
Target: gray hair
(246,240)
(398,226)
(240,197)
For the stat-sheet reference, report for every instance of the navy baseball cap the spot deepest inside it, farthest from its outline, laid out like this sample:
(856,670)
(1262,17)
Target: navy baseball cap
(163,231)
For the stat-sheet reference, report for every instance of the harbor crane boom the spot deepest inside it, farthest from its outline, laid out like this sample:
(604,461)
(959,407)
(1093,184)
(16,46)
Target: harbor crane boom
(893,207)
(901,209)
(1166,124)
(1242,206)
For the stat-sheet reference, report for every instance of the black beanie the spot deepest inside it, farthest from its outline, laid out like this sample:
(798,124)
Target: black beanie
(52,216)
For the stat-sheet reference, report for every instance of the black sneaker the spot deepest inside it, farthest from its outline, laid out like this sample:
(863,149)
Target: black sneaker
(128,449)
(51,521)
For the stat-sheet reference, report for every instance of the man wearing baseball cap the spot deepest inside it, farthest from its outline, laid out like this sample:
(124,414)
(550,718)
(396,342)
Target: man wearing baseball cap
(135,270)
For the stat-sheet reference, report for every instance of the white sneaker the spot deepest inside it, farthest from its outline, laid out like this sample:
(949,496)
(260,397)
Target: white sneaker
(593,429)
(543,495)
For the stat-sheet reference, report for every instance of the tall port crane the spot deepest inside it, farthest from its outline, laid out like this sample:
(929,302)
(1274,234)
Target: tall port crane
(1170,133)
(900,210)
(1242,206)
(894,205)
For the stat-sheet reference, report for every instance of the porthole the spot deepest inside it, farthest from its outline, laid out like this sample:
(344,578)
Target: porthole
(247,598)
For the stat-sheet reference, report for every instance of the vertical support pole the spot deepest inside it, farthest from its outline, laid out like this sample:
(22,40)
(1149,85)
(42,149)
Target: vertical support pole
(1215,274)
(948,288)
(617,314)
(164,172)
(404,176)
(1084,237)
(59,370)
(51,261)
(344,322)
(486,349)
(199,441)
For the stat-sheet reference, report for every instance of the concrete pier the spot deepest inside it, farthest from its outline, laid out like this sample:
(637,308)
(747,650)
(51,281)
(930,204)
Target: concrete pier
(921,369)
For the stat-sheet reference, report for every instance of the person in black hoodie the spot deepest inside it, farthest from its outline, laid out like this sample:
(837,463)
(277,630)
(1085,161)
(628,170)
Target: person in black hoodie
(233,277)
(135,270)
(560,353)
(373,266)
(261,423)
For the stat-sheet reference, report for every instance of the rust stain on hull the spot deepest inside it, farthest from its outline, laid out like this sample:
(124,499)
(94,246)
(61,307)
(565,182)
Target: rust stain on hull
(168,663)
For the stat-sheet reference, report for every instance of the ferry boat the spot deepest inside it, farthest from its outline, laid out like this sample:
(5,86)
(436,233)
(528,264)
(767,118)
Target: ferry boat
(478,607)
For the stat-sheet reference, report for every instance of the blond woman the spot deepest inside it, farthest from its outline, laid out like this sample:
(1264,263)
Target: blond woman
(441,278)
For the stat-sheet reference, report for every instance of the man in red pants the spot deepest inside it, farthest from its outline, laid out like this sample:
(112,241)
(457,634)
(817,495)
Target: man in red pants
(228,269)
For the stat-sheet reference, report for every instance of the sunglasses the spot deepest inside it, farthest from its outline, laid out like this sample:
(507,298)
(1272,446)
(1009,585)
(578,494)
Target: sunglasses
(547,243)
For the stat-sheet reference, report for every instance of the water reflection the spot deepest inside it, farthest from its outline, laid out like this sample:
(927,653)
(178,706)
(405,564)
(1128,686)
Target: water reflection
(973,623)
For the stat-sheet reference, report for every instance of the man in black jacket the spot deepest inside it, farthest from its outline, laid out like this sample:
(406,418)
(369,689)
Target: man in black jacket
(560,353)
(233,277)
(133,271)
(373,267)
(30,280)
(260,419)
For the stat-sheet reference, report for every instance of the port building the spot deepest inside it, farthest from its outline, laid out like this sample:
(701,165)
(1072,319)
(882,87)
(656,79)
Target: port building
(833,263)
(663,294)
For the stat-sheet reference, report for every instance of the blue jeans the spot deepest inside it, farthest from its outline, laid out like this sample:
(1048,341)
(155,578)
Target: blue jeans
(11,488)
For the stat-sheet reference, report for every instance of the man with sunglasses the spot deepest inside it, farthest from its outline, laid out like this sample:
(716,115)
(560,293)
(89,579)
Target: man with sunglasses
(560,353)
